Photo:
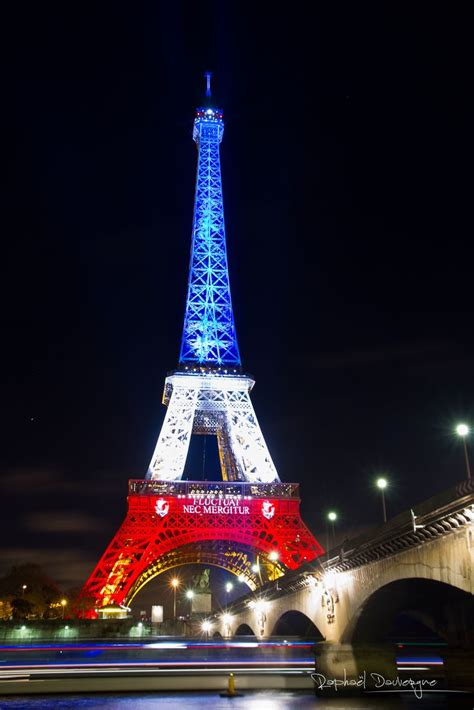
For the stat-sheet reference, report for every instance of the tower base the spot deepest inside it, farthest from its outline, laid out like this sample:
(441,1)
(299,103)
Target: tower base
(235,526)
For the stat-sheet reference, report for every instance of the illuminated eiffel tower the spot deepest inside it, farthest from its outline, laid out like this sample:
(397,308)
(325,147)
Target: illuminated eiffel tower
(250,523)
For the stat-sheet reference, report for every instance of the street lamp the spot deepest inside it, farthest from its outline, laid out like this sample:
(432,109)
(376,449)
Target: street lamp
(332,517)
(206,627)
(256,569)
(190,595)
(382,484)
(23,588)
(462,430)
(63,604)
(273,557)
(228,588)
(175,584)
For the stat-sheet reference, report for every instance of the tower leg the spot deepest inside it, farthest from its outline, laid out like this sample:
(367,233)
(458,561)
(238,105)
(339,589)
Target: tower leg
(169,457)
(248,445)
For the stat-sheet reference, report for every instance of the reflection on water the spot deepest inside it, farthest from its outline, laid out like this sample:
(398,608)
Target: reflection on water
(262,700)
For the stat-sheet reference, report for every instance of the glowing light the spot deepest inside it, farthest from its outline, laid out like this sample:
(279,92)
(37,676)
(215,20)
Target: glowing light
(209,335)
(273,556)
(329,580)
(175,582)
(255,568)
(63,602)
(241,578)
(229,587)
(382,483)
(227,618)
(189,594)
(332,516)
(206,626)
(462,430)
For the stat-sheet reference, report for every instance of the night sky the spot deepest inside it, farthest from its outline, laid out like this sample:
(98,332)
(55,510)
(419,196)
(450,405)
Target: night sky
(347,172)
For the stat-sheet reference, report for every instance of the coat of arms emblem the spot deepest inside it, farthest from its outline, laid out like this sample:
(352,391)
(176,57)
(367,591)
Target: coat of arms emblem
(268,509)
(162,507)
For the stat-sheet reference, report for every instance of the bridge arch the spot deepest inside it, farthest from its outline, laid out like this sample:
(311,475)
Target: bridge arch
(244,630)
(296,623)
(444,608)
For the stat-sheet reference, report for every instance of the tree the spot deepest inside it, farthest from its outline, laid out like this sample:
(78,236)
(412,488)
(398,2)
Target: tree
(30,584)
(22,608)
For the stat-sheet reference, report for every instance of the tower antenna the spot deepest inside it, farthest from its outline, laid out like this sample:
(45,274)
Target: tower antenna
(207,76)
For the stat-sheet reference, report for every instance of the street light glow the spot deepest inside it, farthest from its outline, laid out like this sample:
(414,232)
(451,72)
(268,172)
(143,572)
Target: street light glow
(175,582)
(382,483)
(189,594)
(206,626)
(332,516)
(255,568)
(462,430)
(229,587)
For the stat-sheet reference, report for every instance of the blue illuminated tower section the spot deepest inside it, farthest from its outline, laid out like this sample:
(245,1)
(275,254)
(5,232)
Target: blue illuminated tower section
(209,337)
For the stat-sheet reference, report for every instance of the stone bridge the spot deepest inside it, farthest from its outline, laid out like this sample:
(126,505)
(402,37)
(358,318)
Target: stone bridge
(419,566)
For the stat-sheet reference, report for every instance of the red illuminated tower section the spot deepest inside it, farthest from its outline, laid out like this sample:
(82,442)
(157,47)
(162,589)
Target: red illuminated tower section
(229,525)
(249,523)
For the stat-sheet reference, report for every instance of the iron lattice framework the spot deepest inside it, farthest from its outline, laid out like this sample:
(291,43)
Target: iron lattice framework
(217,404)
(250,515)
(209,333)
(224,524)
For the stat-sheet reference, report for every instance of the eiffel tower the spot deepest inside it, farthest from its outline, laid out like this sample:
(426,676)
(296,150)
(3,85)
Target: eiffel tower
(249,523)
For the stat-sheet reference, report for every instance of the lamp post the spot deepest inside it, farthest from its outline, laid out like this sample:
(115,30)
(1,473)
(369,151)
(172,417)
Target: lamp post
(332,517)
(63,604)
(206,627)
(273,557)
(382,484)
(462,430)
(23,589)
(175,584)
(190,595)
(228,588)
(257,570)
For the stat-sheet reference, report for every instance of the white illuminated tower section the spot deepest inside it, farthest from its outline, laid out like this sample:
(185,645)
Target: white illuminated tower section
(207,394)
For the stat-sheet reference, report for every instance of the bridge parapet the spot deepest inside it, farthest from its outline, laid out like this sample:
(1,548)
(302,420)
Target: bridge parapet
(437,516)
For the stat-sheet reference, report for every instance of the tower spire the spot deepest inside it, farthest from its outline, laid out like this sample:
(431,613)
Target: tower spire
(208,77)
(209,337)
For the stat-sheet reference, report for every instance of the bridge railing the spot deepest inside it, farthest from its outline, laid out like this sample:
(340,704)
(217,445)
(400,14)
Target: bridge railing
(439,515)
(213,489)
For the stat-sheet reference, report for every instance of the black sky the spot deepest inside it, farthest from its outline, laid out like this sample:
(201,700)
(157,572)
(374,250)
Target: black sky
(347,170)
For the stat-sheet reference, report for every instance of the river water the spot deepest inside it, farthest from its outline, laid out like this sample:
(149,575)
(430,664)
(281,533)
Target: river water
(258,700)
